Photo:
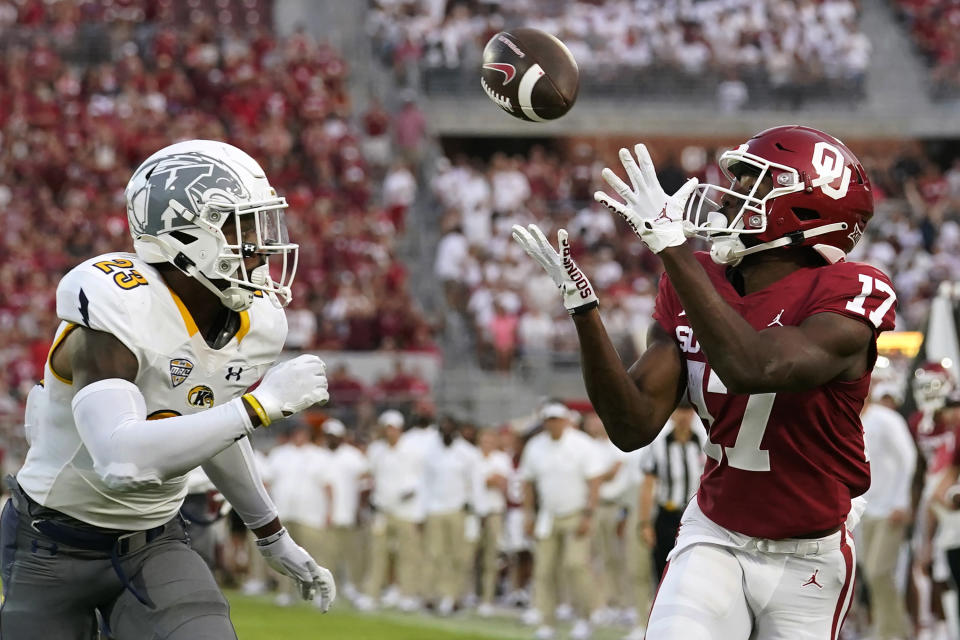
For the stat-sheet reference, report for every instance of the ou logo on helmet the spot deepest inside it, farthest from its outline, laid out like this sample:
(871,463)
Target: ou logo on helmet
(829,163)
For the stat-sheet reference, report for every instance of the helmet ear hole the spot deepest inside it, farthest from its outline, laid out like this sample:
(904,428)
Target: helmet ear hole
(805,214)
(183,237)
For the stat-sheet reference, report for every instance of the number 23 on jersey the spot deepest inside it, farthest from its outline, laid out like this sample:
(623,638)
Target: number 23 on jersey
(124,275)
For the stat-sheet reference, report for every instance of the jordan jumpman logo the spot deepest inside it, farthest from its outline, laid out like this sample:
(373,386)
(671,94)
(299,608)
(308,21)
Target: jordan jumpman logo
(813,581)
(776,321)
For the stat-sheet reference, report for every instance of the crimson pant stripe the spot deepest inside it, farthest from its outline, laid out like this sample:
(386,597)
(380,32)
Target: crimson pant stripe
(843,601)
(666,568)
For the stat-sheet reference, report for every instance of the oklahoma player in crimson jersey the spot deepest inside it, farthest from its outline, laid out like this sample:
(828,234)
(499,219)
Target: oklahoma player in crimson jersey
(933,431)
(772,336)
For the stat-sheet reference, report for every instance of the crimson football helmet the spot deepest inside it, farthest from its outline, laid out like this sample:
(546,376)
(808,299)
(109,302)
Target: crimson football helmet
(932,385)
(820,197)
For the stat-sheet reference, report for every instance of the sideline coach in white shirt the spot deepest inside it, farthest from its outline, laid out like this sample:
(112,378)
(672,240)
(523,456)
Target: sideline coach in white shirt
(893,458)
(562,466)
(397,497)
(348,468)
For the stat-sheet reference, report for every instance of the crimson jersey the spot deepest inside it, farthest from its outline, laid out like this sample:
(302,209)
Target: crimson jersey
(935,439)
(782,464)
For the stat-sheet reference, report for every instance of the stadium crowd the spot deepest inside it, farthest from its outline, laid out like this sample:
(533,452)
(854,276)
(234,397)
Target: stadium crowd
(915,237)
(787,49)
(90,89)
(932,24)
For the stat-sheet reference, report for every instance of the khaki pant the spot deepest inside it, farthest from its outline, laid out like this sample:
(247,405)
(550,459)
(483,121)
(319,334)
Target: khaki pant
(312,541)
(563,550)
(490,546)
(392,534)
(611,581)
(446,555)
(257,568)
(640,568)
(880,550)
(342,554)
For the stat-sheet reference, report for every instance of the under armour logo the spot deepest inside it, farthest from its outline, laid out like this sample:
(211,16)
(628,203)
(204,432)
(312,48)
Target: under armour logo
(233,374)
(813,581)
(776,321)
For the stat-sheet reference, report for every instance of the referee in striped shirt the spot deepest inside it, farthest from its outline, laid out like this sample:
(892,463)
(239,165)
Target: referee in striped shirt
(671,467)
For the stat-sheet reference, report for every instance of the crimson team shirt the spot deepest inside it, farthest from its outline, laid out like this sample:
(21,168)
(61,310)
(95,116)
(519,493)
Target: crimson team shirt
(935,439)
(782,464)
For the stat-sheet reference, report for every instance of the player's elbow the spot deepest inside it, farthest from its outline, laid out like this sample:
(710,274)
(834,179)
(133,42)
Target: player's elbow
(746,378)
(628,438)
(741,386)
(126,477)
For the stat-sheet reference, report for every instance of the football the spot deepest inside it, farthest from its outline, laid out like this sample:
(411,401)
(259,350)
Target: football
(530,74)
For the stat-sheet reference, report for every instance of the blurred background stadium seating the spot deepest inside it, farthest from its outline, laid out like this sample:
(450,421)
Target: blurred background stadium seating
(403,180)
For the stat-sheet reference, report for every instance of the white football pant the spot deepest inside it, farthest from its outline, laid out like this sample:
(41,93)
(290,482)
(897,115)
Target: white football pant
(722,585)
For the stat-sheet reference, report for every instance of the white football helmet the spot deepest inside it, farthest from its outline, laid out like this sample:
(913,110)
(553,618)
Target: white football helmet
(932,385)
(205,206)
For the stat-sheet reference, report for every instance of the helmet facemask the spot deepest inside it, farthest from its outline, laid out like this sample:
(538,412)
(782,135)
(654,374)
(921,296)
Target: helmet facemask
(930,389)
(703,218)
(238,231)
(258,229)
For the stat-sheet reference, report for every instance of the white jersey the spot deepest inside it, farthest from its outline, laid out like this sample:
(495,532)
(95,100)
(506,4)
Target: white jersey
(497,463)
(178,374)
(347,467)
(299,476)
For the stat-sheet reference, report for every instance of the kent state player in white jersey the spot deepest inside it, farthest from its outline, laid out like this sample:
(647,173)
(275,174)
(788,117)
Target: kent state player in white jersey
(145,381)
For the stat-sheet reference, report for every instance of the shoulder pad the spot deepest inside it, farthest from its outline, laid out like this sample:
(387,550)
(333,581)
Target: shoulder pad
(856,290)
(104,293)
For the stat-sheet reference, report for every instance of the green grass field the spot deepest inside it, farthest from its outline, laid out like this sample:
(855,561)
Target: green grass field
(256,618)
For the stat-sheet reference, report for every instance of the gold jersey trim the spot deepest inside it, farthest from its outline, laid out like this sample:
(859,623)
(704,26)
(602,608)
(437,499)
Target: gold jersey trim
(56,343)
(184,313)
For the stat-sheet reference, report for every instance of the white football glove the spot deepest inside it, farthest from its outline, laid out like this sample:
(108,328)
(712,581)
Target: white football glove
(653,215)
(578,293)
(292,386)
(287,557)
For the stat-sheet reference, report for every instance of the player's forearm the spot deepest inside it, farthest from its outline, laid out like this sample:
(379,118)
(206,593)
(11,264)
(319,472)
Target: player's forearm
(729,341)
(234,473)
(529,499)
(268,529)
(645,506)
(130,452)
(593,495)
(611,473)
(946,481)
(746,360)
(627,414)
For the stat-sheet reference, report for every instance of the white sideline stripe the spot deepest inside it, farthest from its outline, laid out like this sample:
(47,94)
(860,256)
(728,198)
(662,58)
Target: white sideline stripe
(525,92)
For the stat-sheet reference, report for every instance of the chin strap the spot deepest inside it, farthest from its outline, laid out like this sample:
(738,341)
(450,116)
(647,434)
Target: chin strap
(233,297)
(730,250)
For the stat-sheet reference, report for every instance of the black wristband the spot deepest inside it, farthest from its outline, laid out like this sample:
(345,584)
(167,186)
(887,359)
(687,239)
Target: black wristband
(584,308)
